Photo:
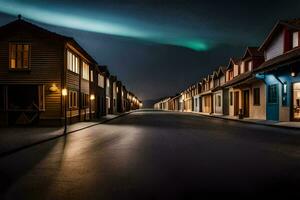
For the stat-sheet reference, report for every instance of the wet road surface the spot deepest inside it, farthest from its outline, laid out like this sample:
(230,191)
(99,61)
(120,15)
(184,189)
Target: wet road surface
(157,155)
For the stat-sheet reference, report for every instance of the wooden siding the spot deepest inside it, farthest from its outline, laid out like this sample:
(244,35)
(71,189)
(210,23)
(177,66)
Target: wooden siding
(46,64)
(276,47)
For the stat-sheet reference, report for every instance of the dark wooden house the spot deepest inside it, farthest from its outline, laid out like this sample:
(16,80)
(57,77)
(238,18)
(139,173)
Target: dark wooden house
(35,65)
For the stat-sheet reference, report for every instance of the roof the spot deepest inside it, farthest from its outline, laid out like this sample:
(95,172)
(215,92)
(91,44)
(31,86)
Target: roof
(234,61)
(292,23)
(253,52)
(290,56)
(221,70)
(238,79)
(51,35)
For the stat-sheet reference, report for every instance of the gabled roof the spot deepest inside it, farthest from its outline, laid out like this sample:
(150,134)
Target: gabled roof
(215,74)
(292,23)
(221,70)
(253,52)
(234,61)
(21,24)
(278,61)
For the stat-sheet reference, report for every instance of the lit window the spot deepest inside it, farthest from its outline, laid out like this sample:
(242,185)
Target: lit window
(92,76)
(295,39)
(85,71)
(72,62)
(250,66)
(107,83)
(19,55)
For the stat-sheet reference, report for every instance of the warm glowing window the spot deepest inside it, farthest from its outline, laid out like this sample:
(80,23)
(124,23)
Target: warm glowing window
(100,80)
(107,83)
(85,71)
(92,76)
(72,62)
(19,56)
(250,66)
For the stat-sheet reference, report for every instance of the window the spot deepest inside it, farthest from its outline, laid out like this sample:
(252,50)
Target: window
(272,94)
(100,80)
(230,75)
(231,98)
(219,100)
(72,62)
(295,39)
(84,100)
(85,71)
(72,99)
(256,96)
(250,65)
(92,76)
(107,83)
(196,102)
(19,56)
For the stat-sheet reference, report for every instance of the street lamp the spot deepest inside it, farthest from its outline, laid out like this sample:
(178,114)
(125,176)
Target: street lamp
(64,93)
(92,97)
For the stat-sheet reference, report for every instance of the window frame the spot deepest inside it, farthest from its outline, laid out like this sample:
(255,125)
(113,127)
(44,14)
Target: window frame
(73,64)
(85,71)
(16,68)
(256,99)
(295,33)
(73,99)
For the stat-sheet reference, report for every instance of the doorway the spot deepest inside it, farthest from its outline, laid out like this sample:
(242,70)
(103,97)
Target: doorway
(236,102)
(246,103)
(296,102)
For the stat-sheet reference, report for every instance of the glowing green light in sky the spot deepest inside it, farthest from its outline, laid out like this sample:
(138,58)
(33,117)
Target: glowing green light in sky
(96,24)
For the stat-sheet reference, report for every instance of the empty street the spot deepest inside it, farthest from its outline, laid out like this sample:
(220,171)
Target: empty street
(156,155)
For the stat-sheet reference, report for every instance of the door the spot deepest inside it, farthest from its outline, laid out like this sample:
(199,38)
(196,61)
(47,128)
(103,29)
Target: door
(225,102)
(236,103)
(296,102)
(246,103)
(273,102)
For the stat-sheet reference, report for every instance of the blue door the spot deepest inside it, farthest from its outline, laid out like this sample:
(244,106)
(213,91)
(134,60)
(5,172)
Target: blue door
(273,102)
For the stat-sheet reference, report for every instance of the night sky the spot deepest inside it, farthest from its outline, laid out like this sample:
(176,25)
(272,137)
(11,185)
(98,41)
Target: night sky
(157,48)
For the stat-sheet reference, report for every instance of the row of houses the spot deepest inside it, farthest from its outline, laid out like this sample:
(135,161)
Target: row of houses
(45,76)
(262,84)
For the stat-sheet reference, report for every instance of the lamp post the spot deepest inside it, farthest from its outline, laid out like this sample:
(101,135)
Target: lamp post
(92,97)
(64,93)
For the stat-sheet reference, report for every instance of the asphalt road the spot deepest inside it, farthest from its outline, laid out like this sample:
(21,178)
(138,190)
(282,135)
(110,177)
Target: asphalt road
(157,155)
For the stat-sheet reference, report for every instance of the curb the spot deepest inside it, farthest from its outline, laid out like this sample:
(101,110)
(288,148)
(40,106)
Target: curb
(7,153)
(250,122)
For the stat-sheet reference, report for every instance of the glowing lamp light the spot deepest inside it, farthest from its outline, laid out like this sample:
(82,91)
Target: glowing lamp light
(64,92)
(293,74)
(53,88)
(92,97)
